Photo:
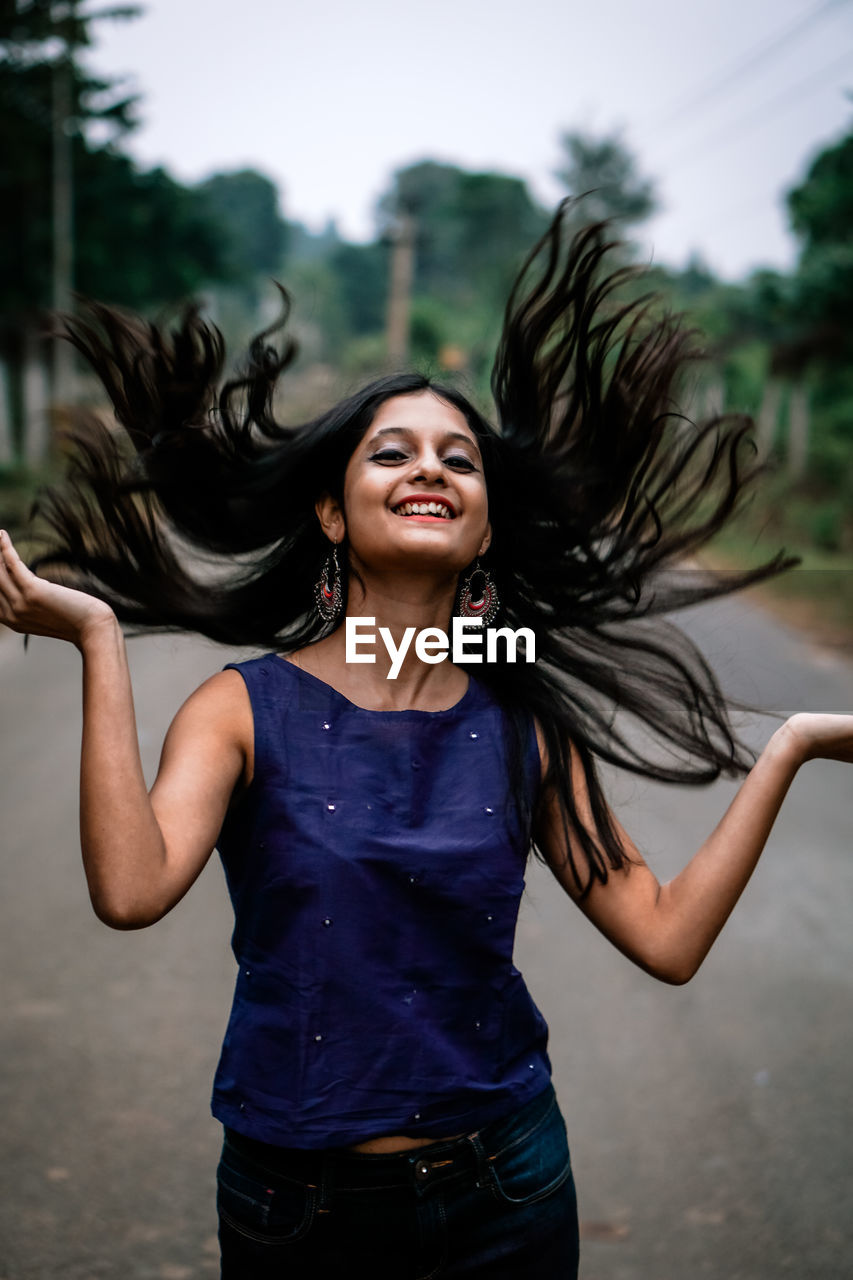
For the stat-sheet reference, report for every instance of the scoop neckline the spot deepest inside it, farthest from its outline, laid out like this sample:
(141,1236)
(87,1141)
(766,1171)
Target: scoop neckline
(373,711)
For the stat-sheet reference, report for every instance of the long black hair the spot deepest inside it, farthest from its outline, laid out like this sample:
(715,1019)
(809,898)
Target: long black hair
(198,515)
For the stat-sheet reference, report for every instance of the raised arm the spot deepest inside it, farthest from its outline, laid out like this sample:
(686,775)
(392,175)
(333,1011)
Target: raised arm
(669,929)
(141,853)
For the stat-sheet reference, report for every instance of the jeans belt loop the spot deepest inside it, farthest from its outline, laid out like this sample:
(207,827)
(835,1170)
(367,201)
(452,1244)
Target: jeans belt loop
(325,1190)
(485,1173)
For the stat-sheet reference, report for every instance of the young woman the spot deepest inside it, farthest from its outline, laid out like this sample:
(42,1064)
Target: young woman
(384,1082)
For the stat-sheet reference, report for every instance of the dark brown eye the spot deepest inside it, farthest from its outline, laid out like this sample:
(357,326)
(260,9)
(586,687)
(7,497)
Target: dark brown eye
(387,455)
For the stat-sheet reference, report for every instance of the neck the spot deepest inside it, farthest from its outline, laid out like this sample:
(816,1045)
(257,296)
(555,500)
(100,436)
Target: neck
(397,679)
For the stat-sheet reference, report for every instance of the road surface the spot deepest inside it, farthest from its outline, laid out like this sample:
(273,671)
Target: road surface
(710,1124)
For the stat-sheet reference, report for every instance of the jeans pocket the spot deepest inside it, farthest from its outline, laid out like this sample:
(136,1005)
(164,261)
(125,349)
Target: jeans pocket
(534,1166)
(268,1209)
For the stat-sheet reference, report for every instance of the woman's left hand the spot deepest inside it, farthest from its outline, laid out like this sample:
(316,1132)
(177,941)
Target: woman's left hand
(819,736)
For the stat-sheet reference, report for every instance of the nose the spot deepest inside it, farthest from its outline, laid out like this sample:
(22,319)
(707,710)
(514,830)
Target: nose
(430,468)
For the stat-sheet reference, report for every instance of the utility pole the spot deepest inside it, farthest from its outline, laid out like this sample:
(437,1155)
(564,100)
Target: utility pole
(63,228)
(38,418)
(400,291)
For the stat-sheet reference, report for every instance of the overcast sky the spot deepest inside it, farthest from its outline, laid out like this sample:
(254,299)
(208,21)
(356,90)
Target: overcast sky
(723,101)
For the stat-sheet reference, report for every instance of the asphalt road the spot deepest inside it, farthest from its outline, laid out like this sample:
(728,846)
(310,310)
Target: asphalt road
(710,1124)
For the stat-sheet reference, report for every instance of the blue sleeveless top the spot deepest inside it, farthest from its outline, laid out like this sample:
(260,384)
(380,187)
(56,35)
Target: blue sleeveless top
(375,866)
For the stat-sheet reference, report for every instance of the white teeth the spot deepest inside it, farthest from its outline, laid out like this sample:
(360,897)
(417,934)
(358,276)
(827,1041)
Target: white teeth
(424,509)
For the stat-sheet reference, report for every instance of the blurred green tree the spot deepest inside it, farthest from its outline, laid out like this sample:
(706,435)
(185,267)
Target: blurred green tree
(143,239)
(75,211)
(361,271)
(472,229)
(40,73)
(821,211)
(782,343)
(245,206)
(604,171)
(470,233)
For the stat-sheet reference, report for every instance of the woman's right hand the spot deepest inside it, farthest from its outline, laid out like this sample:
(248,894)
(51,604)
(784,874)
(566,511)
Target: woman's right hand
(32,606)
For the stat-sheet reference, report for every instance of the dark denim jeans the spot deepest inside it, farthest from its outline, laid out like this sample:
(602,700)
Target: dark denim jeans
(499,1203)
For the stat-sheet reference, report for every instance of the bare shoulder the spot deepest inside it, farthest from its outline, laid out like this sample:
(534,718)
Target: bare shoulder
(222,699)
(216,720)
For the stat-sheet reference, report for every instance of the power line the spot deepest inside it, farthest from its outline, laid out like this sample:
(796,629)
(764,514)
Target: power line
(743,213)
(752,58)
(747,211)
(790,96)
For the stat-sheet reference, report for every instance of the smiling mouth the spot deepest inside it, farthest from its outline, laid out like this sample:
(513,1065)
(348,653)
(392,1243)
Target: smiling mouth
(435,510)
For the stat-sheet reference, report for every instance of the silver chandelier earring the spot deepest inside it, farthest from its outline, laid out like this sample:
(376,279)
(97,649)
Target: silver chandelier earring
(478,596)
(328,590)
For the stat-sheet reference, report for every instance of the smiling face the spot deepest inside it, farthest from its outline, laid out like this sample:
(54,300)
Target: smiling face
(414,490)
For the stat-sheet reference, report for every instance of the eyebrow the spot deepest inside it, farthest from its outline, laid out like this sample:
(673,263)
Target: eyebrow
(407,431)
